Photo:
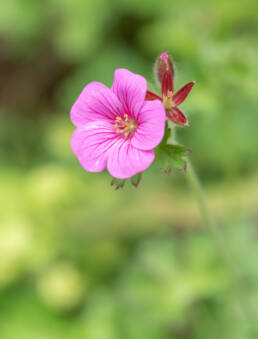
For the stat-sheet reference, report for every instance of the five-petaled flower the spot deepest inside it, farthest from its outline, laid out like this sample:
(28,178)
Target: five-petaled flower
(116,128)
(171,100)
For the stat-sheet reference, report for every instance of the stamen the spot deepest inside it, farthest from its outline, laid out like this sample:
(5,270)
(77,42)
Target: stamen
(125,125)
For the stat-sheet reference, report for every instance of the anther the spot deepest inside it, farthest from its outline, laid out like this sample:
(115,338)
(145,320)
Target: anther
(126,126)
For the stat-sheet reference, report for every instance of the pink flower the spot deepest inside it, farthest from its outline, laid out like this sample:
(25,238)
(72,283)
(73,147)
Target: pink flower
(116,128)
(171,100)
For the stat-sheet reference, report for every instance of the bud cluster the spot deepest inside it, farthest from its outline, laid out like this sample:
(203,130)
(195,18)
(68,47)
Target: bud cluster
(165,72)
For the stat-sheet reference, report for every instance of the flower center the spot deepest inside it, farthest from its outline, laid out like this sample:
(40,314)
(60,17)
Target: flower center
(125,126)
(167,101)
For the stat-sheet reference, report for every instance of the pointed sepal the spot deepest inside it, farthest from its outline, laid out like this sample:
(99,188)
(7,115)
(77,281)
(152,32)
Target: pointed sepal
(152,96)
(177,116)
(167,85)
(182,93)
(136,179)
(118,183)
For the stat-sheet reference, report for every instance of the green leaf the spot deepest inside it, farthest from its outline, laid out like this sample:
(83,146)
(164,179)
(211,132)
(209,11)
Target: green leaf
(171,156)
(118,183)
(136,179)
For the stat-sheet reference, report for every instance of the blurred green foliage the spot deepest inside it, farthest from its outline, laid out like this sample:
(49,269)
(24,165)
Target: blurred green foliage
(79,260)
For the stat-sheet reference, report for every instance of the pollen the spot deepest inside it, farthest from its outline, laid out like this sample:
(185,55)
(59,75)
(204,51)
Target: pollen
(125,126)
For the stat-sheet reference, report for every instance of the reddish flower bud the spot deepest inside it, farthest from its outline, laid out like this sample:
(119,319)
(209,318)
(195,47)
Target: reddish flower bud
(164,64)
(171,100)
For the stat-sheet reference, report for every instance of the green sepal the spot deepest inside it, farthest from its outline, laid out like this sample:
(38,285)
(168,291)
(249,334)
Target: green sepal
(118,183)
(136,179)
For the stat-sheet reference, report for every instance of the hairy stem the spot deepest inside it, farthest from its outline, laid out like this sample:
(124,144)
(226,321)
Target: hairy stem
(203,206)
(238,288)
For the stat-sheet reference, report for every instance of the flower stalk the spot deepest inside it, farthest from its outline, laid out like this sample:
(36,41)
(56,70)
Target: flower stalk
(239,290)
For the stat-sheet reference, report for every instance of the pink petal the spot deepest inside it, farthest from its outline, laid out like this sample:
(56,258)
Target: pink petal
(177,116)
(151,125)
(182,93)
(96,102)
(130,89)
(91,144)
(125,160)
(152,96)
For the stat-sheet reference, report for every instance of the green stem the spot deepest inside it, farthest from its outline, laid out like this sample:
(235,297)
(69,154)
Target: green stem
(221,244)
(203,206)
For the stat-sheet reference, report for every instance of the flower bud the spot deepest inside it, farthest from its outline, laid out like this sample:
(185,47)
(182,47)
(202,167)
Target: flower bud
(167,85)
(164,64)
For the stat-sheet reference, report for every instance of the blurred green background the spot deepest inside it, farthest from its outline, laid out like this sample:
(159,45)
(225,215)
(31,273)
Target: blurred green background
(79,260)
